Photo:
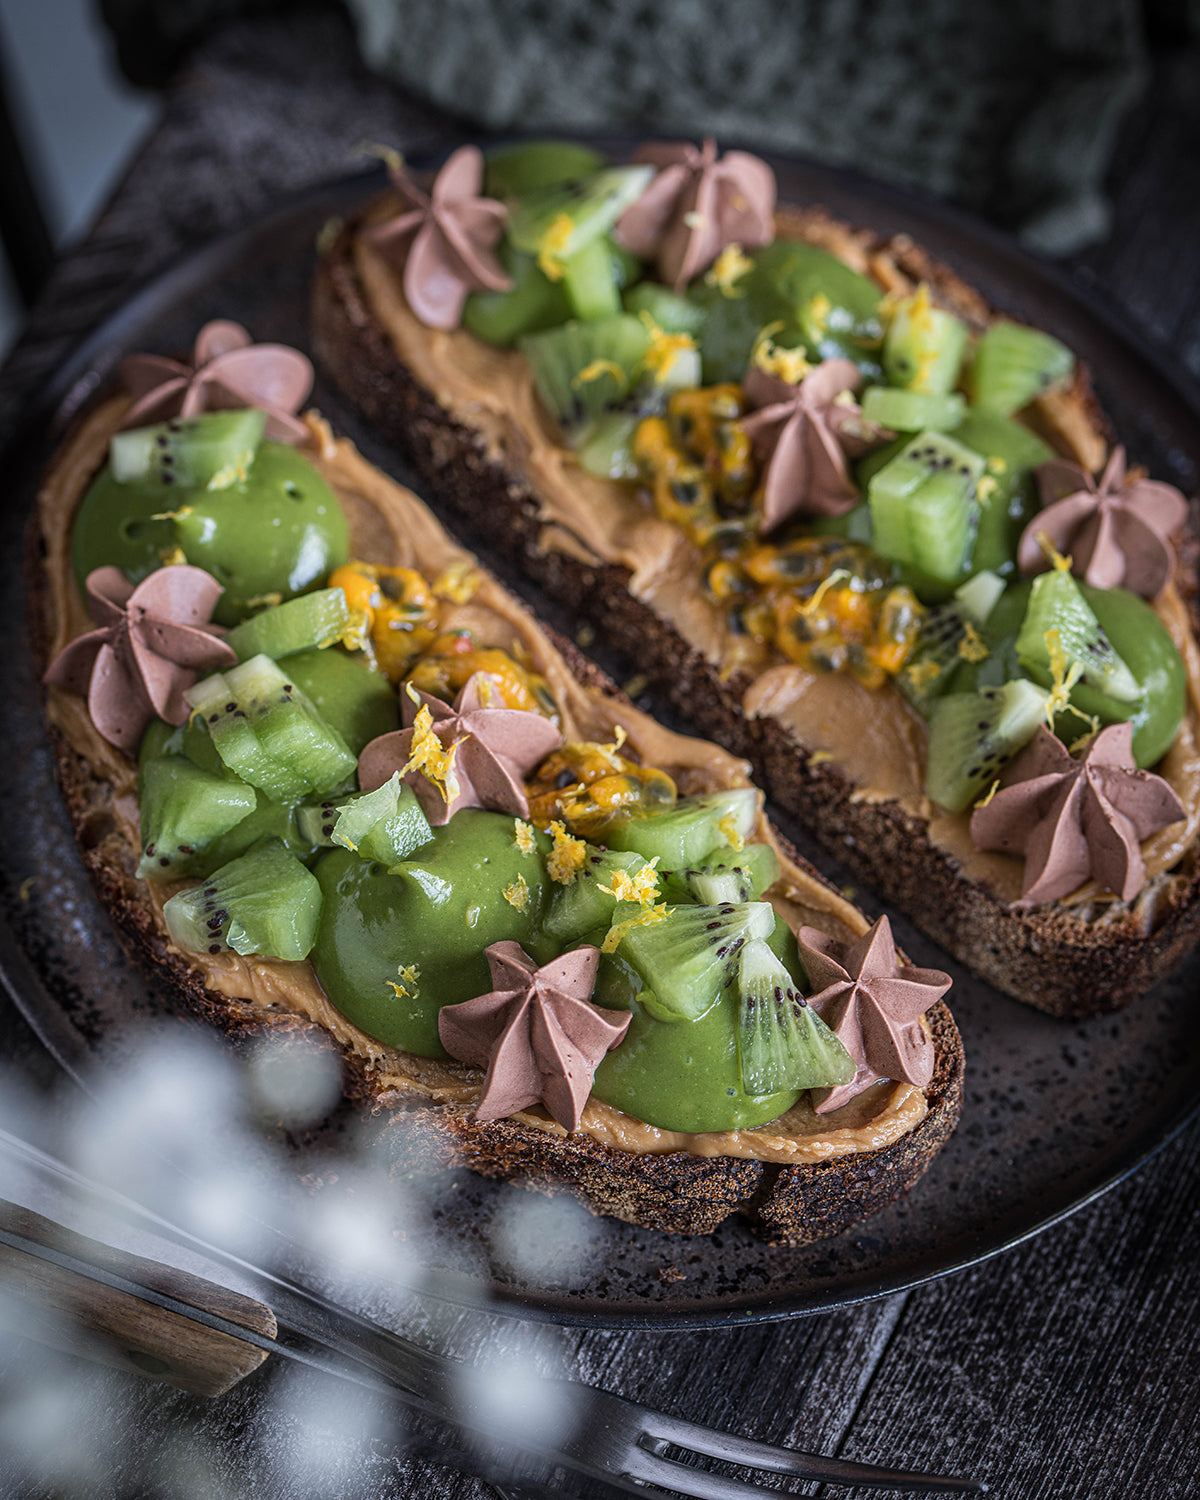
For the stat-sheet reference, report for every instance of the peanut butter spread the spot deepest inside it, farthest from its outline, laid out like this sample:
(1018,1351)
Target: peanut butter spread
(871,736)
(389,525)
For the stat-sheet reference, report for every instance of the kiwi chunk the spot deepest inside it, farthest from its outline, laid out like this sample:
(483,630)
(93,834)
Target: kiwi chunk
(670,311)
(532,303)
(227,725)
(511,171)
(583,369)
(1058,613)
(924,508)
(973,735)
(913,411)
(312,620)
(590,283)
(210,451)
(265,903)
(693,829)
(386,825)
(581,907)
(691,955)
(604,446)
(288,726)
(560,219)
(924,346)
(1007,492)
(782,1042)
(1013,364)
(735,877)
(182,810)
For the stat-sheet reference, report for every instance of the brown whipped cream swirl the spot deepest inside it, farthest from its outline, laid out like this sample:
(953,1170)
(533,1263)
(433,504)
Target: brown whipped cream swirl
(1116,530)
(535,1032)
(1076,819)
(873,1005)
(152,642)
(697,206)
(803,435)
(491,750)
(445,238)
(228,372)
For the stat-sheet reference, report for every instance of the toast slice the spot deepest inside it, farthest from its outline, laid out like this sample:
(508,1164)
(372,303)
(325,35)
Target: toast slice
(800,1178)
(469,417)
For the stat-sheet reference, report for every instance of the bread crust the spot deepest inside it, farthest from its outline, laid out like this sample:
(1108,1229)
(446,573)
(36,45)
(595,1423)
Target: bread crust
(1047,957)
(676,1193)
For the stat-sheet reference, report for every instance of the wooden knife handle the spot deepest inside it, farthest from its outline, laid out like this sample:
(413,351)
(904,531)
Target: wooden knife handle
(59,1306)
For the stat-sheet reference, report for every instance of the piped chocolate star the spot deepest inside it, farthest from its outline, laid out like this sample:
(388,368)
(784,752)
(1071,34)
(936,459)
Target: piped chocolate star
(1116,531)
(1076,820)
(873,1005)
(152,643)
(697,206)
(468,755)
(535,1032)
(803,435)
(444,238)
(228,372)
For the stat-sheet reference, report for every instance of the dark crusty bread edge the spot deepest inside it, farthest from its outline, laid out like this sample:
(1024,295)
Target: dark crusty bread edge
(1045,956)
(676,1193)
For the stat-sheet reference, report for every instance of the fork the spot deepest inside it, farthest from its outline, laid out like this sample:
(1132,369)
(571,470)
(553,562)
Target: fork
(614,1445)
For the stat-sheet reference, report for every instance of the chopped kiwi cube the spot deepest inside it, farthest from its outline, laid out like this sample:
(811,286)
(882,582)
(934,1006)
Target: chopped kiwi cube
(583,369)
(972,736)
(210,451)
(782,1042)
(532,303)
(269,819)
(312,620)
(386,825)
(835,309)
(264,903)
(558,220)
(289,728)
(1013,364)
(589,281)
(689,957)
(733,877)
(1007,491)
(233,736)
(182,810)
(924,346)
(693,829)
(937,663)
(1059,616)
(582,906)
(510,171)
(923,506)
(913,411)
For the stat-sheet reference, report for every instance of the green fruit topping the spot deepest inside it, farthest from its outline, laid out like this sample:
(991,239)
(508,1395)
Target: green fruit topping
(667,309)
(1013,364)
(511,171)
(583,906)
(923,507)
(1061,635)
(589,281)
(972,736)
(735,877)
(913,411)
(386,825)
(312,620)
(692,830)
(689,956)
(1007,491)
(782,1042)
(265,903)
(396,945)
(584,369)
(211,451)
(532,303)
(604,446)
(924,346)
(557,221)
(181,808)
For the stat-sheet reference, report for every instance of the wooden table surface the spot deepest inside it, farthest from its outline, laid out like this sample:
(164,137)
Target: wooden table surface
(1066,1369)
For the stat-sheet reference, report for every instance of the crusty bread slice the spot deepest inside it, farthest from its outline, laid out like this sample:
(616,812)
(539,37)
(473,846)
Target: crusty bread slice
(423,1109)
(1072,959)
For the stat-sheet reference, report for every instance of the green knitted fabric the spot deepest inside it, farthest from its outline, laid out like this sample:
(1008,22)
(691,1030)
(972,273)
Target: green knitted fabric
(1009,107)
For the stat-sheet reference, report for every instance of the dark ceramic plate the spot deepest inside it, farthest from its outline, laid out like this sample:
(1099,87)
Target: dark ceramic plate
(1055,1113)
